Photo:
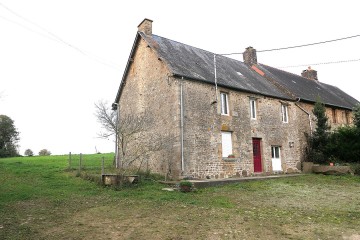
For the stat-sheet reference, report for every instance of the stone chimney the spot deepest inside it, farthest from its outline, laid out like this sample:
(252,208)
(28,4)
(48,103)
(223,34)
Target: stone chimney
(145,26)
(309,74)
(249,56)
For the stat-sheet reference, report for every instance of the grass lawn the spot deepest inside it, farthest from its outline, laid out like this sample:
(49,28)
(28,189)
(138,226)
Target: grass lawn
(40,200)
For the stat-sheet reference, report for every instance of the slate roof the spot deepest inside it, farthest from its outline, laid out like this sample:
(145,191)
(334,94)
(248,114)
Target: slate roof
(310,90)
(197,64)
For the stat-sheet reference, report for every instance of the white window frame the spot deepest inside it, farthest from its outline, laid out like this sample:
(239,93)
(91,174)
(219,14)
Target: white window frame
(226,143)
(284,113)
(276,158)
(224,102)
(253,109)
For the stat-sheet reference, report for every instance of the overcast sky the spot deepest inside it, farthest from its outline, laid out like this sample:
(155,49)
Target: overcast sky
(59,57)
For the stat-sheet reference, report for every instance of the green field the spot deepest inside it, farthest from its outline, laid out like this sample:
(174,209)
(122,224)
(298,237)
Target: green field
(41,199)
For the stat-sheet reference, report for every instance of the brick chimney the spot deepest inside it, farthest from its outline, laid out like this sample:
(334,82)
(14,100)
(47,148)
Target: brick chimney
(145,26)
(309,74)
(249,56)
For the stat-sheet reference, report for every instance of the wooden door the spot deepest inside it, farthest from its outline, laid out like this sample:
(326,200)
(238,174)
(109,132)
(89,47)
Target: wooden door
(257,155)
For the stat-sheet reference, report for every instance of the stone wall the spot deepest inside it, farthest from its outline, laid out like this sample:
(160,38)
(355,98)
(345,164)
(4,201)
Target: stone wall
(338,117)
(204,123)
(149,88)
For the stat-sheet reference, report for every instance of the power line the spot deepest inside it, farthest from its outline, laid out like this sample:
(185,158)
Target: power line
(323,63)
(309,44)
(296,46)
(56,37)
(27,28)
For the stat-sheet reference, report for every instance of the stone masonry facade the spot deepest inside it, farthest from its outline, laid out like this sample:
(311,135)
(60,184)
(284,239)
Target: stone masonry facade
(204,124)
(190,111)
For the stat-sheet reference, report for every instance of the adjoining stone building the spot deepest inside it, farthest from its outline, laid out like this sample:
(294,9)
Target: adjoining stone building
(229,118)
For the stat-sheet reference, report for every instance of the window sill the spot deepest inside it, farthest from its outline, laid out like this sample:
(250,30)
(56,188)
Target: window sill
(225,159)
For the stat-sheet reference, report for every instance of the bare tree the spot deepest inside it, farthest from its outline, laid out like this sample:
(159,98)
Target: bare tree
(29,152)
(134,133)
(107,118)
(44,152)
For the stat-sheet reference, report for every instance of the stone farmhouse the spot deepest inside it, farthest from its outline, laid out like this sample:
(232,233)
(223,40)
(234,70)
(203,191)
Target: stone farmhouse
(229,118)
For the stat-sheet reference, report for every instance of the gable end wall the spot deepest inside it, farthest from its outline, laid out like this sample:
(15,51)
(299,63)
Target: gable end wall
(149,87)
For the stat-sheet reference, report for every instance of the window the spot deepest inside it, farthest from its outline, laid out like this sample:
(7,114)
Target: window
(252,108)
(224,104)
(284,113)
(275,158)
(226,143)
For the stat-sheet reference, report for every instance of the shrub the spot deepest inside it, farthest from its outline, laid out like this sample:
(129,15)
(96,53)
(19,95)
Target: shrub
(185,183)
(317,143)
(344,145)
(185,186)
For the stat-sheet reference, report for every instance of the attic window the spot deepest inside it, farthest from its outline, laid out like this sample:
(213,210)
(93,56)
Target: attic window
(239,73)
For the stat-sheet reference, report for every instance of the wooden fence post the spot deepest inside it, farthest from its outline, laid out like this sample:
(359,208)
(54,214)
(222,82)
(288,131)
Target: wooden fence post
(69,160)
(102,166)
(80,166)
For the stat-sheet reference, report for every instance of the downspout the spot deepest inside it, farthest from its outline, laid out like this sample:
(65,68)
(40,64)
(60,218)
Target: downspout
(215,78)
(115,107)
(118,160)
(298,100)
(182,124)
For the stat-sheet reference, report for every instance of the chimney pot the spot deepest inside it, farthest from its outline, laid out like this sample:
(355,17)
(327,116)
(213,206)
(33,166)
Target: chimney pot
(145,26)
(309,73)
(249,56)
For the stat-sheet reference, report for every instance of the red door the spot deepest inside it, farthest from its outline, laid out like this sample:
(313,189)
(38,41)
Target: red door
(257,155)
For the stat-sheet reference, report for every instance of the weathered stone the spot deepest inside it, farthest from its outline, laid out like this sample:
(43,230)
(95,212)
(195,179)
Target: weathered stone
(290,170)
(307,167)
(332,170)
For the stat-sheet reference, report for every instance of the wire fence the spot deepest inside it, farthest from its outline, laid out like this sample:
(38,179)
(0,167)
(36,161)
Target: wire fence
(96,163)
